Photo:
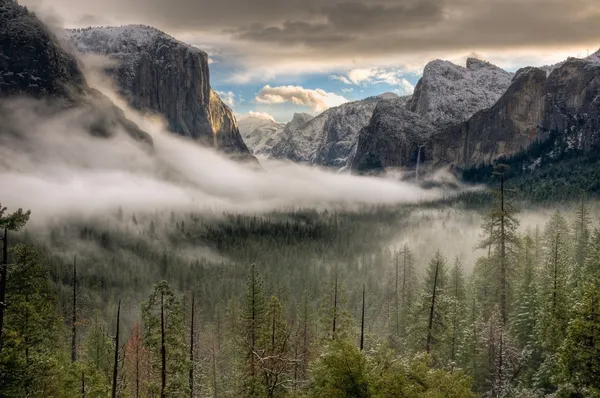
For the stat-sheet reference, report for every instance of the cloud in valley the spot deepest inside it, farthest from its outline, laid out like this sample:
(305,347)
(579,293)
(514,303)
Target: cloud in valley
(53,166)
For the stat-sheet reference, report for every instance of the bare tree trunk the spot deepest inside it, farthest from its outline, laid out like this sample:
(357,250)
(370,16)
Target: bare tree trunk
(362,321)
(397,309)
(163,349)
(503,282)
(192,351)
(432,309)
(116,361)
(82,384)
(335,291)
(74,314)
(137,365)
(214,369)
(3,283)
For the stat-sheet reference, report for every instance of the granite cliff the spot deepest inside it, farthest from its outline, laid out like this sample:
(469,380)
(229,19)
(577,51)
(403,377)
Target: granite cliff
(159,74)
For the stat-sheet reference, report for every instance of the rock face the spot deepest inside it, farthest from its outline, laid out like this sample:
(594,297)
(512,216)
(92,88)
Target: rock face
(508,126)
(392,137)
(564,104)
(326,140)
(33,64)
(159,74)
(260,132)
(446,95)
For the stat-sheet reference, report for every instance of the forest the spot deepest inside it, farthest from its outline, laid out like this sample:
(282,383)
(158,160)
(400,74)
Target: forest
(372,301)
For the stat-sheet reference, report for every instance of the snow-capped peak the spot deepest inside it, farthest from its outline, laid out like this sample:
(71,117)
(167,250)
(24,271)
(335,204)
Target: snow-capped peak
(117,39)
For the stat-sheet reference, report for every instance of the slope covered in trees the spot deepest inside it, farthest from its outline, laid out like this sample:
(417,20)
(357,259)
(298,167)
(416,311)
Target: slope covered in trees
(302,303)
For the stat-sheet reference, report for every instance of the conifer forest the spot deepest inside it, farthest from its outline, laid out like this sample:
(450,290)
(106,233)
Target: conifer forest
(494,299)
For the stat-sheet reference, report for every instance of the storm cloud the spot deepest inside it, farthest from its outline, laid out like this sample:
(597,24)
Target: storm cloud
(333,28)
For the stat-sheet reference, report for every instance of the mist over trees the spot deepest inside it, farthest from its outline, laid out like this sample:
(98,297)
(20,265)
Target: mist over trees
(300,303)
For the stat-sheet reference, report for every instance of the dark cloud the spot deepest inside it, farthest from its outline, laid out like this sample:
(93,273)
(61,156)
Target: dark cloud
(336,29)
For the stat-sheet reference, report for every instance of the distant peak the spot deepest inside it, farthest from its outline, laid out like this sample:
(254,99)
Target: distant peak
(388,95)
(302,116)
(475,63)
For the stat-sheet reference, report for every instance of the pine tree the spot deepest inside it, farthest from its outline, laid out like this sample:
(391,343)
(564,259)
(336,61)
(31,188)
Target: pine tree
(253,324)
(501,236)
(274,355)
(581,238)
(456,301)
(164,338)
(29,363)
(579,355)
(554,298)
(429,320)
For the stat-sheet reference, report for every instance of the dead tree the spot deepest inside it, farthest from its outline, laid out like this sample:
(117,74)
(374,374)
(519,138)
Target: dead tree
(432,309)
(192,351)
(74,314)
(3,282)
(362,321)
(116,361)
(163,349)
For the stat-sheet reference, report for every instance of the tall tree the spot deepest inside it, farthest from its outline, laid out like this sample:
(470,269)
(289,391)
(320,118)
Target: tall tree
(581,238)
(137,364)
(74,314)
(8,222)
(253,323)
(456,297)
(164,337)
(500,228)
(29,365)
(192,331)
(362,320)
(116,357)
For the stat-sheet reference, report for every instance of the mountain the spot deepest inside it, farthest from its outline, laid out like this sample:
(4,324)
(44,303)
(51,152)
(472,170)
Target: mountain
(328,139)
(35,65)
(259,132)
(390,137)
(159,74)
(562,105)
(446,95)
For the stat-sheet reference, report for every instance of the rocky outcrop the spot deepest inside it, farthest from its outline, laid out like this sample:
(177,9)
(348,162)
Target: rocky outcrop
(260,132)
(392,137)
(511,124)
(328,140)
(446,95)
(562,102)
(159,74)
(33,64)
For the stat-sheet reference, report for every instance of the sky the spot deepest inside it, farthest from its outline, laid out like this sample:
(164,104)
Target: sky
(285,56)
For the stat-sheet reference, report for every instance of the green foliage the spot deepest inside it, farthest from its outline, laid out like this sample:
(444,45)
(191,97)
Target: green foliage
(32,330)
(579,354)
(340,372)
(163,300)
(13,221)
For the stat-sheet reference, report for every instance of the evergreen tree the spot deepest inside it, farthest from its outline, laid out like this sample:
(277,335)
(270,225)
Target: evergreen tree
(253,324)
(164,338)
(579,354)
(581,238)
(501,236)
(30,364)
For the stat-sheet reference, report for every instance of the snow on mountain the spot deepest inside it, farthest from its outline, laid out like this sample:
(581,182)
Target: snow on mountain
(328,139)
(157,73)
(449,93)
(259,132)
(114,39)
